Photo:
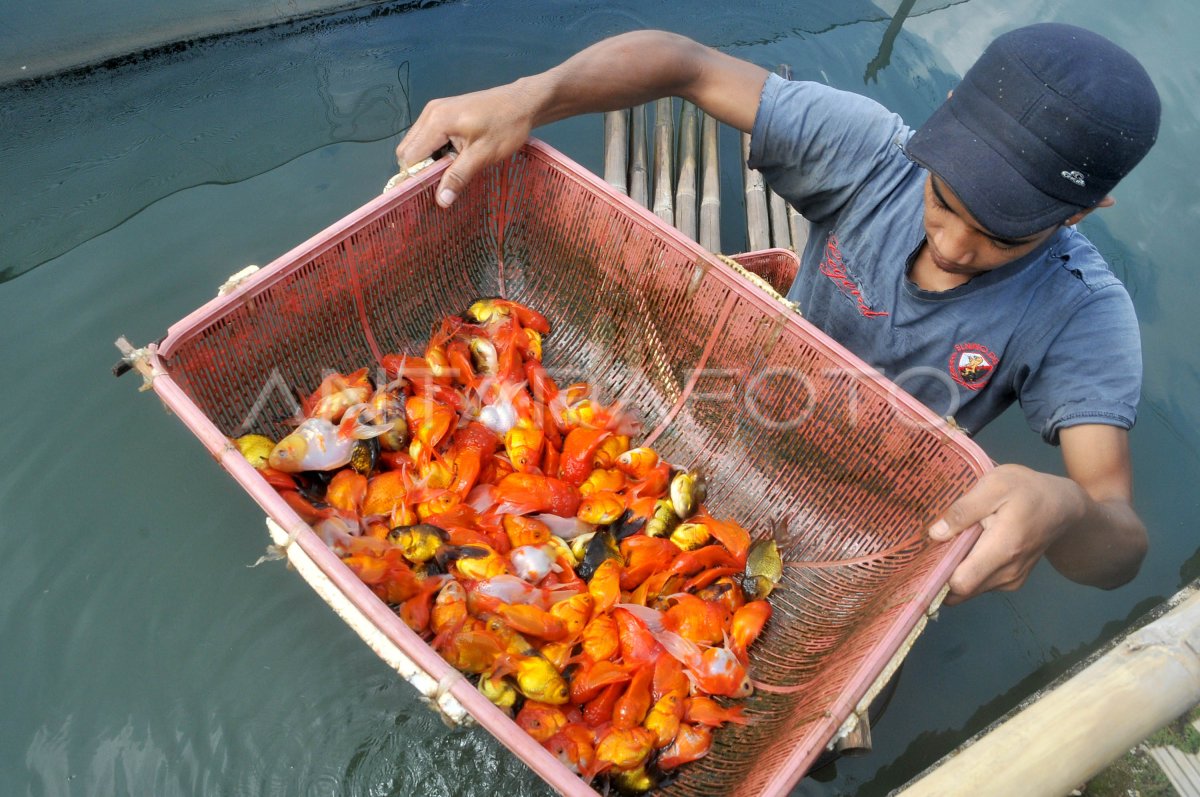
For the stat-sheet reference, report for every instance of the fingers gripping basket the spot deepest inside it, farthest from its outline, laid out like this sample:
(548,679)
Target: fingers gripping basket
(786,424)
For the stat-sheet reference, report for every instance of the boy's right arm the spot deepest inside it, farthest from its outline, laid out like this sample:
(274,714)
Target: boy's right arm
(626,70)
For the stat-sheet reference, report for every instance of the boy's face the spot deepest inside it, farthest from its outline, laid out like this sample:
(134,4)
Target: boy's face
(958,244)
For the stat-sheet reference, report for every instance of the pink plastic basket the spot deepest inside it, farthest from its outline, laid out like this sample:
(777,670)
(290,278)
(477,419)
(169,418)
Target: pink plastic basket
(785,422)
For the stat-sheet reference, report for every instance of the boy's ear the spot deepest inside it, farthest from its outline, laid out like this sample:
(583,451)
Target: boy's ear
(1107,202)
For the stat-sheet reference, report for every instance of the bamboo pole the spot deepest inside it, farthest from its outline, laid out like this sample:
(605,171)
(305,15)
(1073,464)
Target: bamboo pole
(639,190)
(758,225)
(710,188)
(1067,734)
(781,231)
(616,149)
(685,190)
(799,226)
(664,146)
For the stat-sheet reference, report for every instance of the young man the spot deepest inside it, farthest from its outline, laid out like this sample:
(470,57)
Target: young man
(945,258)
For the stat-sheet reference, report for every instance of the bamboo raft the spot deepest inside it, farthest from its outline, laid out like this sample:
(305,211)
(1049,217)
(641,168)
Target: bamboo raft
(684,142)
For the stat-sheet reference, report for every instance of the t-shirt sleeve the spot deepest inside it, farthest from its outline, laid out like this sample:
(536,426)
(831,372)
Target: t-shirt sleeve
(1091,371)
(816,145)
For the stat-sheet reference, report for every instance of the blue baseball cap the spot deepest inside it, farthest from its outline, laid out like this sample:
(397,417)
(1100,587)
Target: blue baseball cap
(1044,125)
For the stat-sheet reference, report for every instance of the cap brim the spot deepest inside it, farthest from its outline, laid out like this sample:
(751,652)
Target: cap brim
(992,190)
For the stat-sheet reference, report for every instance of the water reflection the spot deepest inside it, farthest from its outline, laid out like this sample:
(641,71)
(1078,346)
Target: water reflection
(83,153)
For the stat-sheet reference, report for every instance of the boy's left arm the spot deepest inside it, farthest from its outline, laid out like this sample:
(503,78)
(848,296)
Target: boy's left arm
(1084,525)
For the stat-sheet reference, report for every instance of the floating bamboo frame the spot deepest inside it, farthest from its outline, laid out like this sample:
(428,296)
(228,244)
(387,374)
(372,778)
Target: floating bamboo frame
(770,220)
(758,222)
(616,149)
(639,176)
(710,187)
(664,147)
(685,188)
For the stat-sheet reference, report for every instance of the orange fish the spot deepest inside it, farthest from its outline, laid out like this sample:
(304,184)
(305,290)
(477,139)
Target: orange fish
(461,367)
(747,624)
(523,443)
(637,462)
(593,677)
(347,490)
(601,508)
(603,480)
(574,745)
(540,720)
(472,650)
(695,619)
(712,670)
(689,563)
(417,611)
(448,613)
(630,709)
(668,677)
(605,586)
(637,643)
(532,621)
(336,394)
(702,710)
(540,384)
(579,448)
(575,613)
(612,447)
(599,638)
(473,445)
(599,709)
(429,421)
(530,493)
(726,591)
(522,530)
(727,532)
(643,557)
(665,716)
(691,743)
(536,678)
(624,748)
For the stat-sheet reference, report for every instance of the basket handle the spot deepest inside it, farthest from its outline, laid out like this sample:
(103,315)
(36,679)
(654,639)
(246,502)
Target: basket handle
(411,171)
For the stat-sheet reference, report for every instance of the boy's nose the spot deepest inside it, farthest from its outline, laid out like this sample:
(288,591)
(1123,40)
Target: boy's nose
(954,243)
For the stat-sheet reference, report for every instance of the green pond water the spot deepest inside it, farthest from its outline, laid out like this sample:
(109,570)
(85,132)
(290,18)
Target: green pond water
(139,654)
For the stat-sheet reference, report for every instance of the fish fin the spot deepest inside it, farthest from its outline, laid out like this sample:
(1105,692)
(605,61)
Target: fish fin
(651,618)
(353,428)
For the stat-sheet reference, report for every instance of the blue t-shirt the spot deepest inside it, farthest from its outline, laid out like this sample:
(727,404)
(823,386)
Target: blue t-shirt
(1054,330)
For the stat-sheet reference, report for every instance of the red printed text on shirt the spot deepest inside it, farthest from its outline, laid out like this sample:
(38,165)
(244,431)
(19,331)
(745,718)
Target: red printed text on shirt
(834,267)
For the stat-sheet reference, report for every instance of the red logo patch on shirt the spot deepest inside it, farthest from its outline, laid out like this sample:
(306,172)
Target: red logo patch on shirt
(834,267)
(972,365)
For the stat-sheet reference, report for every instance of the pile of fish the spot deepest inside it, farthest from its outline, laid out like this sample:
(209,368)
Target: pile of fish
(579,579)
